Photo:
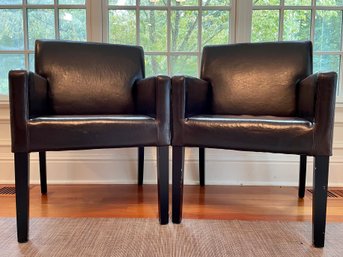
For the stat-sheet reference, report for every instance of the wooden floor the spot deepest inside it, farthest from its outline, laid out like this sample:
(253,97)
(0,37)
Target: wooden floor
(210,202)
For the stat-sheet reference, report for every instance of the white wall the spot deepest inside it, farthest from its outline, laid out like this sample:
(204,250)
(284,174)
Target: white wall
(120,165)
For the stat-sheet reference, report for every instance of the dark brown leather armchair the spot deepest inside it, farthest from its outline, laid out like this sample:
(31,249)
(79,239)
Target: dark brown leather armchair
(87,96)
(257,97)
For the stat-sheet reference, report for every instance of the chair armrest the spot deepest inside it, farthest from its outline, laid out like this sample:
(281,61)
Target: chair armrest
(306,97)
(28,96)
(152,97)
(190,96)
(324,113)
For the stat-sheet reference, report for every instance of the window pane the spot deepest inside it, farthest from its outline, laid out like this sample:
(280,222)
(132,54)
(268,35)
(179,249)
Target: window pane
(184,65)
(41,25)
(12,31)
(328,26)
(73,24)
(11,2)
(325,63)
(32,62)
(9,62)
(215,27)
(155,65)
(122,2)
(153,30)
(184,2)
(71,1)
(216,2)
(122,27)
(184,31)
(265,25)
(297,25)
(266,2)
(40,1)
(153,2)
(330,2)
(298,2)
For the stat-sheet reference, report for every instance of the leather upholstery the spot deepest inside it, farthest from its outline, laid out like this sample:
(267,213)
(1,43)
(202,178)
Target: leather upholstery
(135,112)
(256,79)
(89,78)
(306,129)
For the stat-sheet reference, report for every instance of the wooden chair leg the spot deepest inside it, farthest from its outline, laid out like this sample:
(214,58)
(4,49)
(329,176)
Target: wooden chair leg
(22,172)
(178,162)
(302,176)
(319,200)
(140,165)
(42,170)
(163,183)
(202,166)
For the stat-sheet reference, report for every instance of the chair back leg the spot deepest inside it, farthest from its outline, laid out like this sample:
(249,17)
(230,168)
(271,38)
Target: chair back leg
(42,171)
(202,166)
(140,165)
(163,183)
(302,176)
(22,171)
(319,200)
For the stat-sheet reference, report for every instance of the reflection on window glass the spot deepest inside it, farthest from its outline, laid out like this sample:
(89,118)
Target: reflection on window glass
(71,1)
(122,27)
(4,2)
(155,65)
(328,28)
(40,1)
(329,2)
(265,25)
(266,2)
(9,62)
(297,25)
(185,3)
(122,2)
(72,24)
(298,2)
(41,25)
(216,2)
(31,62)
(153,30)
(184,34)
(12,31)
(154,2)
(184,65)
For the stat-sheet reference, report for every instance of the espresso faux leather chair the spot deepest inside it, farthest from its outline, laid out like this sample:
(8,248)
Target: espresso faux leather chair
(257,97)
(87,96)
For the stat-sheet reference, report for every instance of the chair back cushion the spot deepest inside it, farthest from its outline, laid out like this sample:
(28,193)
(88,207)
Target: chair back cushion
(89,78)
(256,78)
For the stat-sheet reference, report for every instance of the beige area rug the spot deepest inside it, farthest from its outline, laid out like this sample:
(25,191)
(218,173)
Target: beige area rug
(145,237)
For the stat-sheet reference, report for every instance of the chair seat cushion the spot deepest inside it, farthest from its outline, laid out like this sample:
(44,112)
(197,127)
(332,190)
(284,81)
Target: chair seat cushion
(250,133)
(69,132)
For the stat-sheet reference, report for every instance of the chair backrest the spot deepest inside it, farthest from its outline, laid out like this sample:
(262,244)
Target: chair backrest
(89,78)
(256,78)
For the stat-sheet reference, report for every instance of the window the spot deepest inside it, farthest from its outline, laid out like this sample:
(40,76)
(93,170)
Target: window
(24,21)
(172,32)
(316,20)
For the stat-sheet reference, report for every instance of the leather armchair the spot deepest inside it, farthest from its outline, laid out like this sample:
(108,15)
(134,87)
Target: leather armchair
(86,96)
(257,97)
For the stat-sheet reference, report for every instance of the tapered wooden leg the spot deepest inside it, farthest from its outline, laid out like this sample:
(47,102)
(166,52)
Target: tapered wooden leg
(319,200)
(163,183)
(140,165)
(22,174)
(302,176)
(178,162)
(202,166)
(42,170)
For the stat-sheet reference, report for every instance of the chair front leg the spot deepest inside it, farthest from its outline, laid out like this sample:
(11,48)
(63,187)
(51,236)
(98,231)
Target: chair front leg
(319,200)
(202,166)
(42,170)
(163,183)
(302,176)
(178,166)
(140,165)
(22,175)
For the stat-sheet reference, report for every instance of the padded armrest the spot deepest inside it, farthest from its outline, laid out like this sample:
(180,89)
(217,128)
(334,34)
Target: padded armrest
(152,97)
(191,96)
(28,97)
(306,97)
(324,112)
